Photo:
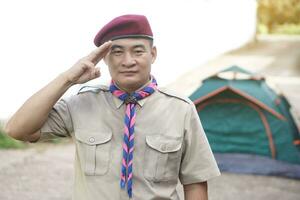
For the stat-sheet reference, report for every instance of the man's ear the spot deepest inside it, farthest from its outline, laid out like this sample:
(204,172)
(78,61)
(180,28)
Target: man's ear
(154,54)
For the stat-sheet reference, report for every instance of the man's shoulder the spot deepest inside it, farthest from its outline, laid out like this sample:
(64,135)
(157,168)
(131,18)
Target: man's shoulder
(86,93)
(94,89)
(173,94)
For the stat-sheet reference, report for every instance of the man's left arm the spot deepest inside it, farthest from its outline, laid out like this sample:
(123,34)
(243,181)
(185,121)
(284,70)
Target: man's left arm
(198,163)
(195,191)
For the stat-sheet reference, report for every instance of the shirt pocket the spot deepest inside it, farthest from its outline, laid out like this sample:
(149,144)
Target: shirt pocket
(162,158)
(94,150)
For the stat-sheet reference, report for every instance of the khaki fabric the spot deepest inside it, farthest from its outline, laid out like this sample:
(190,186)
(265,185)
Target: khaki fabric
(170,144)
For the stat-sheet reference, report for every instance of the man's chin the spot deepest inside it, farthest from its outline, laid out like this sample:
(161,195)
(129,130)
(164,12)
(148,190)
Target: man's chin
(130,80)
(130,84)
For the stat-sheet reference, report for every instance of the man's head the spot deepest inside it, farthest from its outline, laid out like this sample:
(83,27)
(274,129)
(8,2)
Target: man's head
(132,51)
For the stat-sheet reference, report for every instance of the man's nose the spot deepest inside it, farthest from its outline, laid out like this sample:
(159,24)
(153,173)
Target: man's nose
(128,60)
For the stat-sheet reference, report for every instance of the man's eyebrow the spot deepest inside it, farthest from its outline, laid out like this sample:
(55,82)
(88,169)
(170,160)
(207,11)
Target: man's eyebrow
(116,46)
(139,46)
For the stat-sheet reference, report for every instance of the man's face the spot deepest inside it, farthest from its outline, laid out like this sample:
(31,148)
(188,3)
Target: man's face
(129,61)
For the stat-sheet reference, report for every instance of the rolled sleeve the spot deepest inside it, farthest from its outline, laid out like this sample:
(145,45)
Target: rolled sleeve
(59,122)
(198,163)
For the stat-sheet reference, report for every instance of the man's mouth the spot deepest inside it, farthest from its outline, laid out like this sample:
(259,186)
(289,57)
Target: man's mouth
(128,72)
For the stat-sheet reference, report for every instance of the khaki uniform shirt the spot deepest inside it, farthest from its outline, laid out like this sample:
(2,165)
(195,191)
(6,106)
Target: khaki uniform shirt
(169,144)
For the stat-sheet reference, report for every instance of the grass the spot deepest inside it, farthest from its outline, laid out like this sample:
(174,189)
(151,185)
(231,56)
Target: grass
(7,142)
(283,29)
(289,29)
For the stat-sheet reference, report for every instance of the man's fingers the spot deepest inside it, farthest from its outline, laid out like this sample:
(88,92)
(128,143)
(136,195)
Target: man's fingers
(97,72)
(96,55)
(94,73)
(88,63)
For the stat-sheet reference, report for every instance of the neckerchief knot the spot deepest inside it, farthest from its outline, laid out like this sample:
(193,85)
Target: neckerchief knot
(130,99)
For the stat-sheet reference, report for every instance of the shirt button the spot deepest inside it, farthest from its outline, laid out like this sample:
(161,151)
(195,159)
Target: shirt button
(164,147)
(92,139)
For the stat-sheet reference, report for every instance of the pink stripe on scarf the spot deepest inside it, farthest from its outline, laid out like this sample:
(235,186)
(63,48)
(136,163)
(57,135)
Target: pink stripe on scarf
(143,94)
(118,93)
(130,163)
(132,122)
(129,176)
(128,111)
(124,162)
(125,147)
(126,131)
(153,85)
(131,150)
(123,177)
(131,137)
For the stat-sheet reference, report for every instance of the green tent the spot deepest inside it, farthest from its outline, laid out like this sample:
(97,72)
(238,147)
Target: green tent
(240,113)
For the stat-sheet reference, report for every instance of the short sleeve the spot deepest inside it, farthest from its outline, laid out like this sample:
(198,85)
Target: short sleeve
(59,122)
(198,163)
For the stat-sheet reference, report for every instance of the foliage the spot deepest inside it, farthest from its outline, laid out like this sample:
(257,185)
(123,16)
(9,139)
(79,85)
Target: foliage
(278,16)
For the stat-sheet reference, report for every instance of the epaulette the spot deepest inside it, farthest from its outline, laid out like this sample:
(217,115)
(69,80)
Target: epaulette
(94,89)
(171,93)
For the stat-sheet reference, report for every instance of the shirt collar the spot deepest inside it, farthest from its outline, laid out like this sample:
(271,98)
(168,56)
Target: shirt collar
(118,102)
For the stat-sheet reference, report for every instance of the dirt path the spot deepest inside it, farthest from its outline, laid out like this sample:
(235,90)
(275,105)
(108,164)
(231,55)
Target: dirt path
(41,172)
(45,171)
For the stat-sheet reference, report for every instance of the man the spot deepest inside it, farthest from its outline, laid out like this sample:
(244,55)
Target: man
(133,140)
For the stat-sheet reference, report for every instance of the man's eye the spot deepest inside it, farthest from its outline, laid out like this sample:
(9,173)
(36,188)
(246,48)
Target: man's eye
(117,52)
(138,52)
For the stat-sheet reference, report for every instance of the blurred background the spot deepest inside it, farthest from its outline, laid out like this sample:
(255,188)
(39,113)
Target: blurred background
(239,60)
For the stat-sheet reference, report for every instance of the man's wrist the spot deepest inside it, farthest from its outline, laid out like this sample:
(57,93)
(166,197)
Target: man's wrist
(65,80)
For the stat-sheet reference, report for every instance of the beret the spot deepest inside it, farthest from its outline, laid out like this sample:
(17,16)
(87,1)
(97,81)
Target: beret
(125,26)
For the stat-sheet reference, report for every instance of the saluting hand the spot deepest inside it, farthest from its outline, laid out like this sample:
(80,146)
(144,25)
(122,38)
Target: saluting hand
(84,70)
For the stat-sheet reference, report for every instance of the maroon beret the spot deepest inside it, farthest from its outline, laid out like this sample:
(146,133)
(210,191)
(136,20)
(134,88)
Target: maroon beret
(125,26)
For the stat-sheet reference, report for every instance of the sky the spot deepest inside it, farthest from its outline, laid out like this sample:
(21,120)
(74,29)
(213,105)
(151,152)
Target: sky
(41,39)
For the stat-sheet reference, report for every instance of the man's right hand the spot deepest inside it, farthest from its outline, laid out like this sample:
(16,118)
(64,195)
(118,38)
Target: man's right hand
(84,70)
(30,117)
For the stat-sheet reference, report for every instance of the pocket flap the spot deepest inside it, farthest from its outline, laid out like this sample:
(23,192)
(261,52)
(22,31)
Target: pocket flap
(163,144)
(93,137)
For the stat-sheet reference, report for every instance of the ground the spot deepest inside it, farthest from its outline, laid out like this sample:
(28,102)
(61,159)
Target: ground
(45,171)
